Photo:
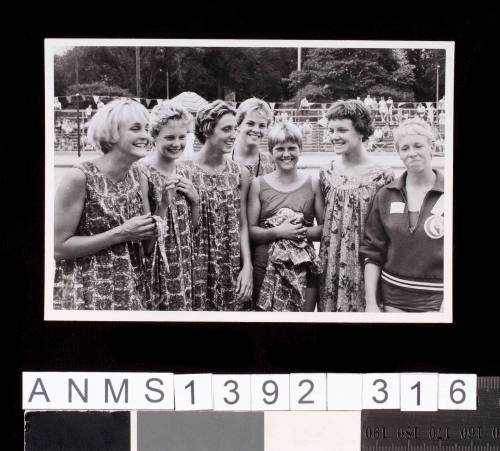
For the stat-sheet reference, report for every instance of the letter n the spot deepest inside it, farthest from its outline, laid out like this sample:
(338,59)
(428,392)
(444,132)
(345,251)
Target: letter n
(84,396)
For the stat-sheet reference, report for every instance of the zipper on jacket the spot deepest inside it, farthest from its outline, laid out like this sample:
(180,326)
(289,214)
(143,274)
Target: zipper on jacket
(403,195)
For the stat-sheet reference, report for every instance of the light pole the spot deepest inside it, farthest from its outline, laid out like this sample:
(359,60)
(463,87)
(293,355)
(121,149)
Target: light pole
(299,58)
(168,83)
(437,85)
(78,146)
(137,72)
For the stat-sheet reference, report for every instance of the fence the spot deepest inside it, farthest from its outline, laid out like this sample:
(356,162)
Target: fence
(70,128)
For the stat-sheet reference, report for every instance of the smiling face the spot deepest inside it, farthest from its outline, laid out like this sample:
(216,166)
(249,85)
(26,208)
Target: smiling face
(171,139)
(134,138)
(286,155)
(415,152)
(224,134)
(344,137)
(253,128)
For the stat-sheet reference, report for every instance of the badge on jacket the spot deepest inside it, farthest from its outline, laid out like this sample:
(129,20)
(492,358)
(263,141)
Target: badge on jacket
(434,225)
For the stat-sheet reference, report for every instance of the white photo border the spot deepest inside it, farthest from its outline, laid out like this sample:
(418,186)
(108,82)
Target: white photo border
(445,316)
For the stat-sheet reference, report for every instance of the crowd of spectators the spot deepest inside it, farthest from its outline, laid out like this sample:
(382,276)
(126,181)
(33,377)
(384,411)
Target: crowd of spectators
(387,114)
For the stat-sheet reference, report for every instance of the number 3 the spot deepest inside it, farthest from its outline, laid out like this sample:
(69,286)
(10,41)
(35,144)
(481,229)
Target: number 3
(233,390)
(384,386)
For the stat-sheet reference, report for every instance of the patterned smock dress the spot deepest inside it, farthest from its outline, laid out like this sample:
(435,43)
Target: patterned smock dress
(113,278)
(216,253)
(170,263)
(264,165)
(347,200)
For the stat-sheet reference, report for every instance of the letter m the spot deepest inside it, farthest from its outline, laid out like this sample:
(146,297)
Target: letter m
(109,388)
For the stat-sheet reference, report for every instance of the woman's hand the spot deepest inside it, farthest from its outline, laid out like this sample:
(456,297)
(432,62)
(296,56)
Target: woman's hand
(186,187)
(138,228)
(168,189)
(244,284)
(290,231)
(372,306)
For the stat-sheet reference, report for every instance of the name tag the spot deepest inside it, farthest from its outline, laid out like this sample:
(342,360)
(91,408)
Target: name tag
(397,207)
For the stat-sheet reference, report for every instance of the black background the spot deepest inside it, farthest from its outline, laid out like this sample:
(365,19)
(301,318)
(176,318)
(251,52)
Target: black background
(470,344)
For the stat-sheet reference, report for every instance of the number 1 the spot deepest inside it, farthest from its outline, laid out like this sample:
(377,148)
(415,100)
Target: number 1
(417,386)
(191,385)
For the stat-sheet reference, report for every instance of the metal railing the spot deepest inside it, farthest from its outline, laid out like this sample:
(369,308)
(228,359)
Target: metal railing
(70,128)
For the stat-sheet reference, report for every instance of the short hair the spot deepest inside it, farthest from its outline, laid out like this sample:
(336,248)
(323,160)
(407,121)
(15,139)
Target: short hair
(414,126)
(208,117)
(103,126)
(357,112)
(168,110)
(283,132)
(253,104)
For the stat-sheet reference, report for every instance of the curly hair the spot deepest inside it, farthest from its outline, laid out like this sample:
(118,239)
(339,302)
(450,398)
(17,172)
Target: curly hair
(165,111)
(207,118)
(253,104)
(414,126)
(103,129)
(357,112)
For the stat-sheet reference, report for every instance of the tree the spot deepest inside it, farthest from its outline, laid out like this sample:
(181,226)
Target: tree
(425,61)
(211,72)
(98,88)
(348,73)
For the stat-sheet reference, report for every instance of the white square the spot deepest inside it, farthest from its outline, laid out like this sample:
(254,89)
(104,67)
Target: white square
(308,391)
(231,391)
(345,391)
(419,392)
(397,207)
(381,391)
(457,392)
(270,392)
(193,392)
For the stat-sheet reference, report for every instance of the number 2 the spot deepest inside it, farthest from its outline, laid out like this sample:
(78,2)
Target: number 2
(303,400)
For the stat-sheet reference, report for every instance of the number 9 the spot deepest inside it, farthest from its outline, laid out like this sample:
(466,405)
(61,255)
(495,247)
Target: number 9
(274,393)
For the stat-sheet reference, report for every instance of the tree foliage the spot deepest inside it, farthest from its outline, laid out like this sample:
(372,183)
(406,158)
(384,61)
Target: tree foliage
(269,73)
(211,72)
(348,73)
(99,88)
(425,61)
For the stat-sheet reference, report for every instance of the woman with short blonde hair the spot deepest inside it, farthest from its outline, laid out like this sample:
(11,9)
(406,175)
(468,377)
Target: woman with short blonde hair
(253,119)
(100,217)
(174,199)
(282,208)
(403,243)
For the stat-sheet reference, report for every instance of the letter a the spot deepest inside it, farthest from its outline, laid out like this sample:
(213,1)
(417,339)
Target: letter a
(43,392)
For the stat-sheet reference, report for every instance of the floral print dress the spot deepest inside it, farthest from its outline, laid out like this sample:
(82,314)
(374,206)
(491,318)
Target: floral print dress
(264,165)
(289,263)
(216,254)
(170,263)
(113,278)
(347,201)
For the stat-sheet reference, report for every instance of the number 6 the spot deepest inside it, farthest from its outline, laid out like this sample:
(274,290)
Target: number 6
(454,390)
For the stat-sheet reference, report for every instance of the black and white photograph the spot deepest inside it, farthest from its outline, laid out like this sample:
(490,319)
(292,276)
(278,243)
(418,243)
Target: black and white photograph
(249,180)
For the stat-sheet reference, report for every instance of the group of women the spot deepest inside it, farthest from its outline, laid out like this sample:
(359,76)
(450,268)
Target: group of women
(141,228)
